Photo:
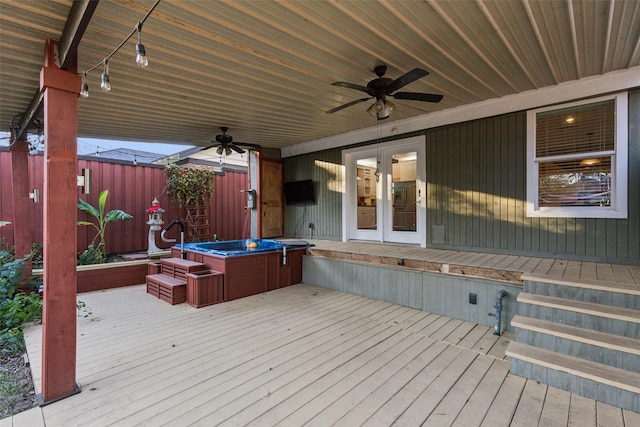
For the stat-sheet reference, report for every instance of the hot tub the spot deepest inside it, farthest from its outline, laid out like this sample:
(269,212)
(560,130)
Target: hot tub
(250,266)
(235,247)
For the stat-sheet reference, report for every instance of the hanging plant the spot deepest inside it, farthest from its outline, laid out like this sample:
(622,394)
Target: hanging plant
(188,185)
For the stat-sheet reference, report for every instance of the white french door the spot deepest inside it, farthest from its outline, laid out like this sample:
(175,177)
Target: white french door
(384,197)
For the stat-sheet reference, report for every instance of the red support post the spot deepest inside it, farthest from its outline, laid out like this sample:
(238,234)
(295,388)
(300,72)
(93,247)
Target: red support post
(20,198)
(61,89)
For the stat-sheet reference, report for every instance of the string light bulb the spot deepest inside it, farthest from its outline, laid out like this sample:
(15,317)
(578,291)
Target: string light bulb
(84,92)
(105,85)
(141,54)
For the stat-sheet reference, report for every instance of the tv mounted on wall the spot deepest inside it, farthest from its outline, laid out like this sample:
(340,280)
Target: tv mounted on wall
(299,193)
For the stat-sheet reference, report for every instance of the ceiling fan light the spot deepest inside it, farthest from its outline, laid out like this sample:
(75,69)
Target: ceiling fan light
(376,108)
(381,109)
(227,151)
(219,151)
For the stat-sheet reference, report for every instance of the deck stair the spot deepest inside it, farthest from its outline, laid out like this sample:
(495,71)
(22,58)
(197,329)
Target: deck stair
(582,337)
(170,285)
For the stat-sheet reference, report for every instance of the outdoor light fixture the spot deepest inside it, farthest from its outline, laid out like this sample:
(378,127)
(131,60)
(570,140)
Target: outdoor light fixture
(141,55)
(85,86)
(226,150)
(105,85)
(381,109)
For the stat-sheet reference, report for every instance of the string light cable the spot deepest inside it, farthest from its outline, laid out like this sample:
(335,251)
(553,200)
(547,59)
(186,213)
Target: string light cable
(141,57)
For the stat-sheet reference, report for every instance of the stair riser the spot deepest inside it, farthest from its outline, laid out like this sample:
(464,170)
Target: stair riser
(580,320)
(594,353)
(573,383)
(614,299)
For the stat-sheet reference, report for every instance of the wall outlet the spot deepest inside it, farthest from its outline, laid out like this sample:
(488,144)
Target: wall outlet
(473,298)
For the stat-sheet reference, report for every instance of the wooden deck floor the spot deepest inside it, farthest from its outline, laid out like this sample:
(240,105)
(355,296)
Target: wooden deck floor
(486,265)
(300,355)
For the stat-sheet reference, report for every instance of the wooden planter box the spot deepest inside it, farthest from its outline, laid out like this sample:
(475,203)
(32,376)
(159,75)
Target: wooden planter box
(205,288)
(110,275)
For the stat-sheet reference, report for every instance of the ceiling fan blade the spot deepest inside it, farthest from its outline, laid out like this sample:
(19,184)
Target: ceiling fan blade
(427,97)
(405,79)
(351,86)
(236,149)
(348,104)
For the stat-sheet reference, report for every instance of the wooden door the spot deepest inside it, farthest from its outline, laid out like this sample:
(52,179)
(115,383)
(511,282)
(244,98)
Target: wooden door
(271,198)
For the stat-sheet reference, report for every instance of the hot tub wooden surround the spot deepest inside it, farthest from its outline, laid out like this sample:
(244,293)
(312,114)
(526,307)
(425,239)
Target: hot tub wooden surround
(252,274)
(203,279)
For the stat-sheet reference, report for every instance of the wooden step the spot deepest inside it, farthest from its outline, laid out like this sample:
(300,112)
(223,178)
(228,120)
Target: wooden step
(599,285)
(615,377)
(169,289)
(616,313)
(586,336)
(178,267)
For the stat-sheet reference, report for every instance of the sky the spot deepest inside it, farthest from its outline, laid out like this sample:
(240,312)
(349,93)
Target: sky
(90,146)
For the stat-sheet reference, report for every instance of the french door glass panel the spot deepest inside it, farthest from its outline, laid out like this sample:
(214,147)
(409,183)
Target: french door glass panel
(383,197)
(366,194)
(403,191)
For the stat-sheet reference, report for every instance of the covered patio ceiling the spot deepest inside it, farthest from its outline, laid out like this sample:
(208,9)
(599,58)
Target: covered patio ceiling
(265,69)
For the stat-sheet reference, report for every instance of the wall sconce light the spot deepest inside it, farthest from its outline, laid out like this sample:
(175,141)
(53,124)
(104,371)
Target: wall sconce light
(35,196)
(84,181)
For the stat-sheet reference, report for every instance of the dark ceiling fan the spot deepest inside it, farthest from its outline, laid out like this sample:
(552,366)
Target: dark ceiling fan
(226,145)
(382,87)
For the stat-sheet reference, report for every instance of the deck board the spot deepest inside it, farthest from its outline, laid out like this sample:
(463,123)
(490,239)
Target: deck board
(301,354)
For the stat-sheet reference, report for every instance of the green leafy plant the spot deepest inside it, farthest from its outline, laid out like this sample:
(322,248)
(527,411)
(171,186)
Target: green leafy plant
(102,219)
(83,309)
(189,185)
(16,306)
(12,275)
(91,256)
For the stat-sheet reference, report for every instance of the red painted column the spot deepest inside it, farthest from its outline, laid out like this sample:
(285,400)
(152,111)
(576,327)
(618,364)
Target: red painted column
(61,89)
(20,198)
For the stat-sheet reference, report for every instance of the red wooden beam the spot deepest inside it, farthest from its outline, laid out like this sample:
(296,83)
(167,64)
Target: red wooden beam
(61,89)
(20,198)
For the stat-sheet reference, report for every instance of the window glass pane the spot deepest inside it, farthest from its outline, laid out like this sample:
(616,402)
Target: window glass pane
(582,129)
(581,182)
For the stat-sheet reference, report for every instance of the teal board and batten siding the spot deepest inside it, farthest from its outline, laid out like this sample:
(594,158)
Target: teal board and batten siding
(326,170)
(476,186)
(442,294)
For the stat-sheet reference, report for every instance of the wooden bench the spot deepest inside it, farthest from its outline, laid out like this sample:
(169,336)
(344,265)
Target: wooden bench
(169,289)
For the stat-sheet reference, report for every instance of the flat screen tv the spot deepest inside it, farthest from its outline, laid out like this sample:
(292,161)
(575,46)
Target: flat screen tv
(299,193)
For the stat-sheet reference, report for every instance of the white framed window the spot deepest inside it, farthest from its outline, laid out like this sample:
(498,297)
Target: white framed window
(577,159)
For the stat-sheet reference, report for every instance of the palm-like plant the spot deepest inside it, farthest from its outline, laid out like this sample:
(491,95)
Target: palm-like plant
(102,218)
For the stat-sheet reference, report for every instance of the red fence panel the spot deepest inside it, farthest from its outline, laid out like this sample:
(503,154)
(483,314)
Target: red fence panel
(132,188)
